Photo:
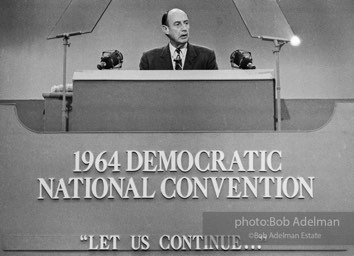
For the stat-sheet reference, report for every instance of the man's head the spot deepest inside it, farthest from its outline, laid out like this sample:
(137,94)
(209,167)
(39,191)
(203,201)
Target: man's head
(175,25)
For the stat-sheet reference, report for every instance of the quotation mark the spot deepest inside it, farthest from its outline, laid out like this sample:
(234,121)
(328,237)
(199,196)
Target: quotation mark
(84,237)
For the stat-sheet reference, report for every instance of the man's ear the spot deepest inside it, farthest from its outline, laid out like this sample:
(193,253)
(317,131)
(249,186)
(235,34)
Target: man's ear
(165,29)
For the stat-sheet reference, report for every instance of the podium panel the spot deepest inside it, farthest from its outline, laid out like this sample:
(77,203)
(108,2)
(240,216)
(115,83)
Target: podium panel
(164,101)
(64,193)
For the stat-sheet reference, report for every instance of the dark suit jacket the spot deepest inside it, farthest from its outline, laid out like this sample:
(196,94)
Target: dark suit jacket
(198,57)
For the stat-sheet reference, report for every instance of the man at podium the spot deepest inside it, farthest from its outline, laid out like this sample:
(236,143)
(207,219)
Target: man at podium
(179,54)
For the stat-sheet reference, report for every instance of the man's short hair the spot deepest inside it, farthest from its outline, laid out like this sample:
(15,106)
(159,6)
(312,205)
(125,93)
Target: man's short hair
(164,20)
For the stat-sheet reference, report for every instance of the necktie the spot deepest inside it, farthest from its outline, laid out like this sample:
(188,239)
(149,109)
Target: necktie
(178,60)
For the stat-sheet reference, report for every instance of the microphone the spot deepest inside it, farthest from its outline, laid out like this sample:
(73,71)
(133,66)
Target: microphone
(250,66)
(111,59)
(242,59)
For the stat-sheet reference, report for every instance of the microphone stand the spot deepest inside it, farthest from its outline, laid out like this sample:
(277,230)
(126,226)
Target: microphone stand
(64,109)
(278,43)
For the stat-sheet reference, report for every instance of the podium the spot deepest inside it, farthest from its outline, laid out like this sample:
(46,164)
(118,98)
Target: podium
(170,101)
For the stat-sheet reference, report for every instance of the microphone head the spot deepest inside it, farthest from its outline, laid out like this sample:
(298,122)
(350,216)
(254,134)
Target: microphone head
(102,65)
(251,66)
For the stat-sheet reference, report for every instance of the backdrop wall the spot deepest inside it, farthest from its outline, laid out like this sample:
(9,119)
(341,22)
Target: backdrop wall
(321,67)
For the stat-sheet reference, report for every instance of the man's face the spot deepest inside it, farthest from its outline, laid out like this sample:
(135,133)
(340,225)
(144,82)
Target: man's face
(177,28)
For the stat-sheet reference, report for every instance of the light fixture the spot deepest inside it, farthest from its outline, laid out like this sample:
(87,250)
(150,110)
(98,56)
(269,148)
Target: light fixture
(295,41)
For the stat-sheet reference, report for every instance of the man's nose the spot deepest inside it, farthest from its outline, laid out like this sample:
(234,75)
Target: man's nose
(184,27)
